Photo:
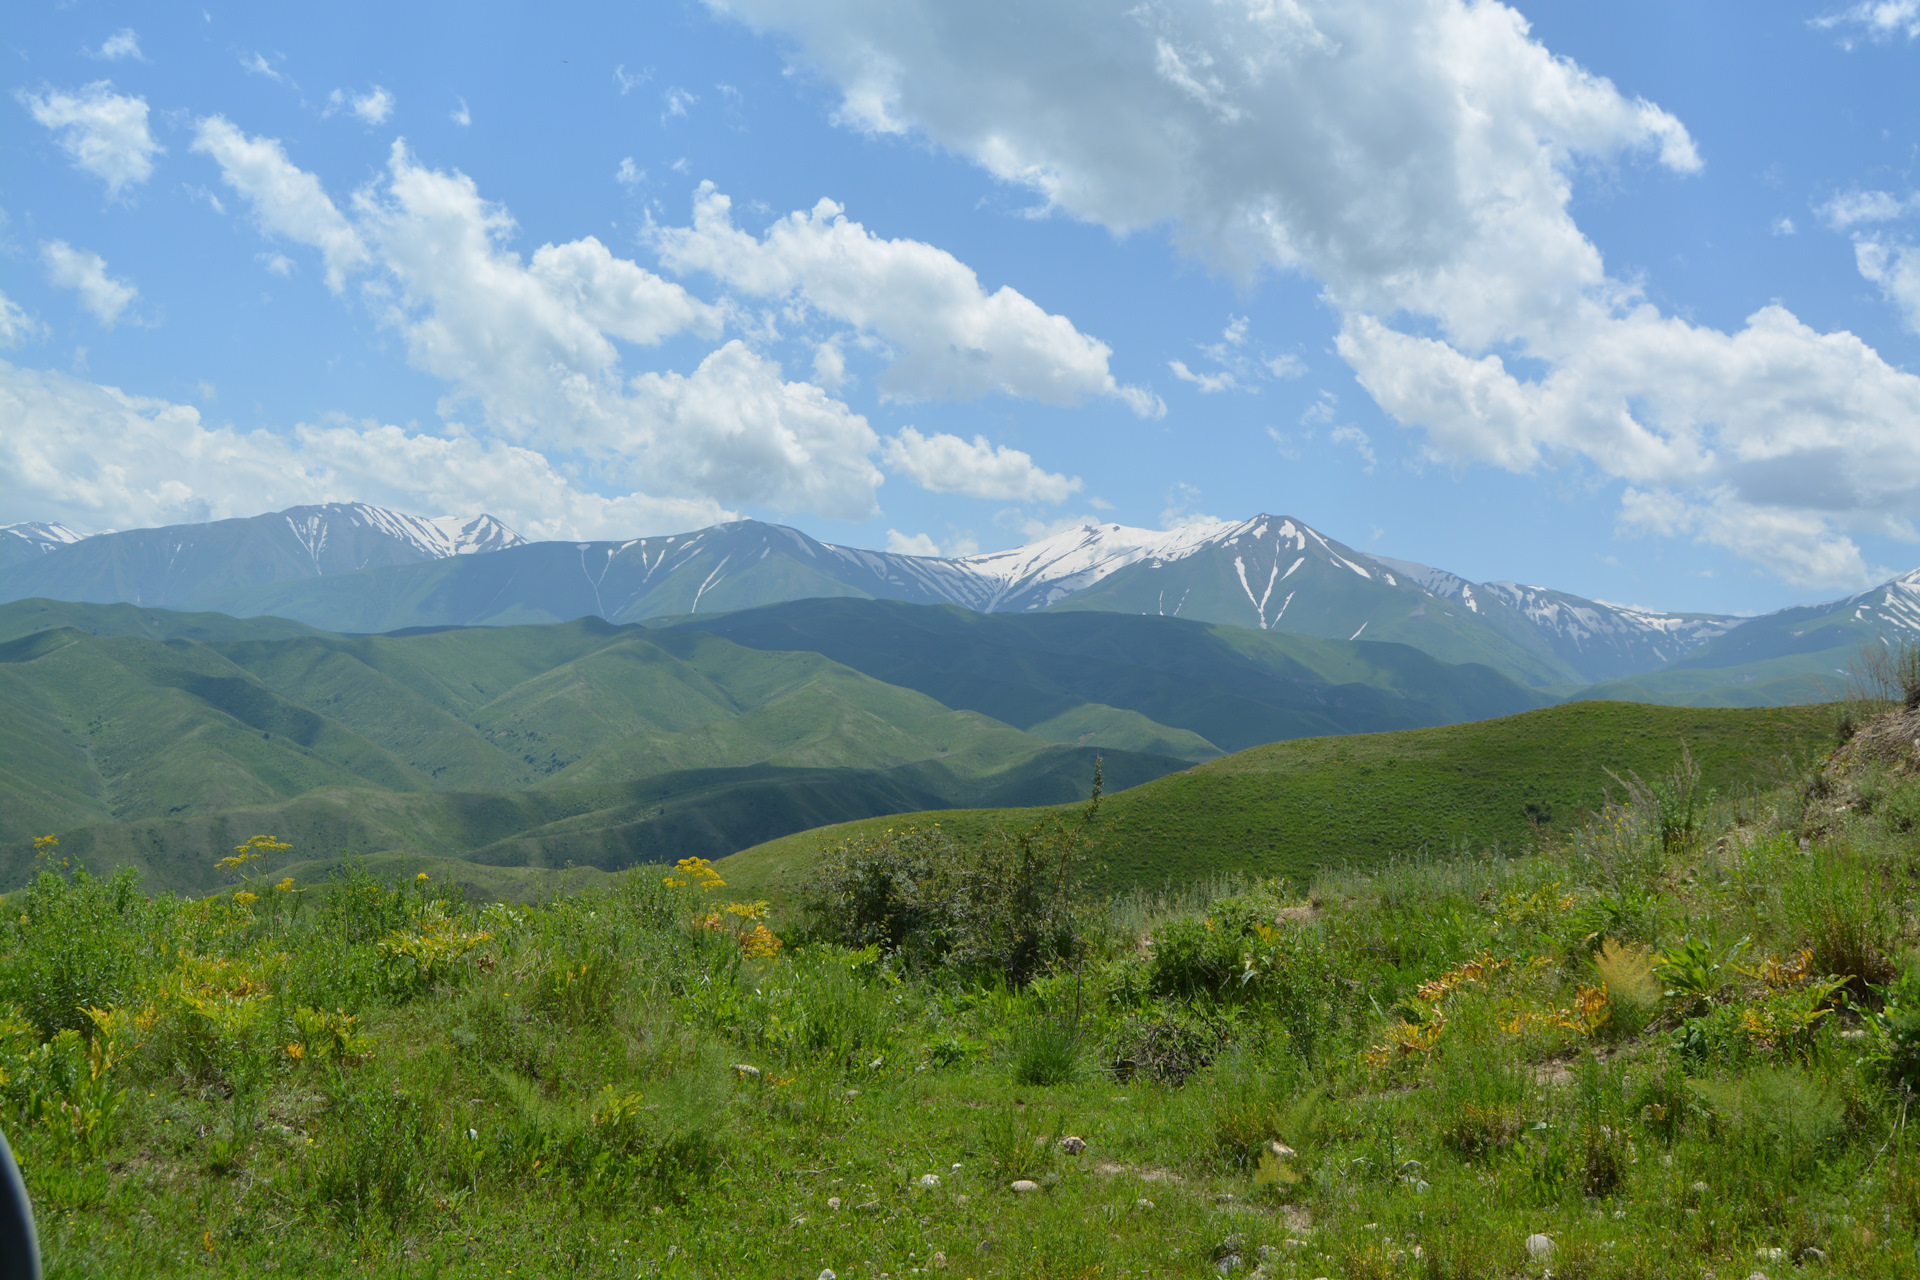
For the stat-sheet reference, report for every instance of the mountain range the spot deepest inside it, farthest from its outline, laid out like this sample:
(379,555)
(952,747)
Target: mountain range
(361,569)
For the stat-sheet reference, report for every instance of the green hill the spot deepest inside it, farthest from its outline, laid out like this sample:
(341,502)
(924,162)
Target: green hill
(161,739)
(1232,686)
(1290,808)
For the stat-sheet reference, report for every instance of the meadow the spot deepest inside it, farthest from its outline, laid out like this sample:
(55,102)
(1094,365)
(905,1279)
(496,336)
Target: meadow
(1677,1036)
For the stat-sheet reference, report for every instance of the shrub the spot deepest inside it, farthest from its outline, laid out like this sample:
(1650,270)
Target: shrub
(1169,1045)
(75,946)
(1010,905)
(1628,972)
(1194,958)
(1895,1029)
(1046,1053)
(373,1161)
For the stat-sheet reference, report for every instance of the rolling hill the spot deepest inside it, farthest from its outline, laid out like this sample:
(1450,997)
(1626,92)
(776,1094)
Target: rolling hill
(1288,808)
(163,738)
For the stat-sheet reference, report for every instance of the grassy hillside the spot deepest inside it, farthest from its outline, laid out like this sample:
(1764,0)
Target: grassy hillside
(1232,686)
(1688,1057)
(152,738)
(1291,808)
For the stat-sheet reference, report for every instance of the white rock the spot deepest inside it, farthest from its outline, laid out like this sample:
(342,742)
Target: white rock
(833,1202)
(1143,1203)
(937,1261)
(1073,1146)
(1769,1255)
(826,1273)
(1539,1247)
(1024,1185)
(746,1071)
(929,1180)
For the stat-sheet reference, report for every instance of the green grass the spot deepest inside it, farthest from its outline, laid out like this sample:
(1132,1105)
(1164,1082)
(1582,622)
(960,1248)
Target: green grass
(606,1086)
(1291,809)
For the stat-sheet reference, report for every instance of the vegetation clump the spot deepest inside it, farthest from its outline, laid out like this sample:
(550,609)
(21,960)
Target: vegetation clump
(1663,1048)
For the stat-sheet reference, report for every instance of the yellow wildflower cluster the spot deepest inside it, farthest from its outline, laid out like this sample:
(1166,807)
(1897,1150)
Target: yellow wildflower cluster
(1421,1036)
(1476,971)
(693,870)
(756,943)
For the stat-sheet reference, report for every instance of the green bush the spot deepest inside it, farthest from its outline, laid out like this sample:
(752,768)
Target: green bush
(73,945)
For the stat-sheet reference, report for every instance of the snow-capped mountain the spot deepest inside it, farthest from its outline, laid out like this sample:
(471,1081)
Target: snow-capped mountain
(356,567)
(182,565)
(40,535)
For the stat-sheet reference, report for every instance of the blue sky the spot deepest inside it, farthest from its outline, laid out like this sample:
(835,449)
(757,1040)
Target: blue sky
(1622,300)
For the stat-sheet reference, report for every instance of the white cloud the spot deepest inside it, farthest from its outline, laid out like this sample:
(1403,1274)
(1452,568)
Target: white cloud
(287,201)
(948,464)
(278,264)
(918,544)
(1239,369)
(256,64)
(460,115)
(532,342)
(93,456)
(629,175)
(1896,269)
(1783,226)
(1361,442)
(85,272)
(16,325)
(949,337)
(103,132)
(629,83)
(121,44)
(1859,208)
(371,108)
(1207,382)
(678,101)
(1891,263)
(1418,159)
(1878,19)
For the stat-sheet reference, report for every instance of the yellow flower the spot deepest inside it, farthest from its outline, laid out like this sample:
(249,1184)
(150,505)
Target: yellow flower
(285,886)
(296,1051)
(244,898)
(421,878)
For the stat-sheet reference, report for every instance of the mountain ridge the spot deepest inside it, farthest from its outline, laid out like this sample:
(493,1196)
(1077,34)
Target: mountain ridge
(363,569)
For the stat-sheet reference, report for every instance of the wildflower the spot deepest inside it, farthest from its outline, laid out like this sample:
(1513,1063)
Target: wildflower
(421,878)
(296,1051)
(244,898)
(286,885)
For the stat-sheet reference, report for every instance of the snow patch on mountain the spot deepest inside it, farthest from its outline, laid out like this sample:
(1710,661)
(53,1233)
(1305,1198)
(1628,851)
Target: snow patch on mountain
(434,538)
(42,535)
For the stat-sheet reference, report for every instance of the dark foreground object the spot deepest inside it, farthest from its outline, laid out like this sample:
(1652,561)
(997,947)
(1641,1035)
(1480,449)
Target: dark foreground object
(19,1254)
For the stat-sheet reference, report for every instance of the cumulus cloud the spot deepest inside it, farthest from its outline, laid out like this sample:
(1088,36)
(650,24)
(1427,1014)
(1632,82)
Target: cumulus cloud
(85,273)
(1417,158)
(16,325)
(1207,382)
(918,544)
(460,115)
(370,108)
(1896,269)
(121,44)
(1878,20)
(535,344)
(1883,257)
(948,335)
(92,456)
(287,201)
(947,464)
(103,132)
